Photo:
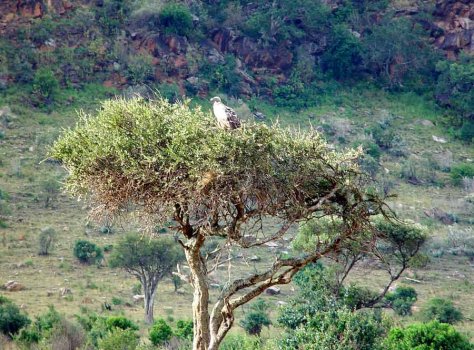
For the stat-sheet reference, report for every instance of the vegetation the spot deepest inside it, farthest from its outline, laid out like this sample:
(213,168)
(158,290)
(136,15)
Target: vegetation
(160,332)
(362,73)
(11,318)
(432,335)
(46,240)
(87,252)
(441,310)
(257,318)
(149,260)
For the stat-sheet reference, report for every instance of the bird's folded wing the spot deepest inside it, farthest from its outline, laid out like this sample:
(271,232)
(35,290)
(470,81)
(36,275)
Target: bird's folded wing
(234,121)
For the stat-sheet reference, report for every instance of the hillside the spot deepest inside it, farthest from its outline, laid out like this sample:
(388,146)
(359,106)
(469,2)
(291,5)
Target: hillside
(411,113)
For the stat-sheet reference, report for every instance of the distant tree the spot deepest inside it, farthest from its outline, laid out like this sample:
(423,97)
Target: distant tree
(47,237)
(249,187)
(149,260)
(432,335)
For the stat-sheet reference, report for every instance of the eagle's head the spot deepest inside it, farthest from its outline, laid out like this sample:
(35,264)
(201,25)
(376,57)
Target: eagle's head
(215,99)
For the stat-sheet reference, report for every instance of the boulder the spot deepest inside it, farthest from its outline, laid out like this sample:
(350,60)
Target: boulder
(138,298)
(254,258)
(13,286)
(438,139)
(426,122)
(273,290)
(64,292)
(259,116)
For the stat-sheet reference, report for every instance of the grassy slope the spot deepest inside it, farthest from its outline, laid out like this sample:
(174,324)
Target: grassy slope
(351,112)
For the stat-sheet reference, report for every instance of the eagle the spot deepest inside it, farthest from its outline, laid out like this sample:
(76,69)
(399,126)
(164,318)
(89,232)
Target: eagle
(226,116)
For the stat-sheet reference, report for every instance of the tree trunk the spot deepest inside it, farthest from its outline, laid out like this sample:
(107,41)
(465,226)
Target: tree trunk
(199,282)
(150,292)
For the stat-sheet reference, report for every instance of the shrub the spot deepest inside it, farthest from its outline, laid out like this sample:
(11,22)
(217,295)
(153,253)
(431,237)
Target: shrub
(184,329)
(240,342)
(342,56)
(140,68)
(432,335)
(46,240)
(256,318)
(120,322)
(118,338)
(401,300)
(11,319)
(87,252)
(460,171)
(176,19)
(45,86)
(441,310)
(51,188)
(160,332)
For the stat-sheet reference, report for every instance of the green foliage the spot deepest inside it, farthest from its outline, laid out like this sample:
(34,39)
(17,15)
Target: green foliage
(51,188)
(240,342)
(441,310)
(426,336)
(369,147)
(184,329)
(87,252)
(256,318)
(124,136)
(401,300)
(156,257)
(45,86)
(160,332)
(460,171)
(391,58)
(120,322)
(11,318)
(169,91)
(140,68)
(342,56)
(111,15)
(46,240)
(338,329)
(118,338)
(455,86)
(176,18)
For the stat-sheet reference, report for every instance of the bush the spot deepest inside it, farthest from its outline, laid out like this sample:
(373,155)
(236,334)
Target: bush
(120,322)
(401,300)
(118,338)
(45,86)
(256,318)
(46,240)
(160,332)
(11,319)
(140,68)
(240,342)
(441,310)
(176,19)
(87,252)
(460,171)
(184,329)
(429,336)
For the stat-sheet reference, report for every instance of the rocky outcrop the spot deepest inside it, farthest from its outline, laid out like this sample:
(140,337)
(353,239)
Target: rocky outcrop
(456,21)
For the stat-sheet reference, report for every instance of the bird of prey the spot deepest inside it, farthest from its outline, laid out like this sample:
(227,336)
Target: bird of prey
(226,116)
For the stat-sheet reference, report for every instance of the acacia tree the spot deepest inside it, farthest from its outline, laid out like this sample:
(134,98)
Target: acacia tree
(149,260)
(169,161)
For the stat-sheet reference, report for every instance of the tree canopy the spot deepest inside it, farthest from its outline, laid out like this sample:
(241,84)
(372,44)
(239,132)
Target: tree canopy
(168,161)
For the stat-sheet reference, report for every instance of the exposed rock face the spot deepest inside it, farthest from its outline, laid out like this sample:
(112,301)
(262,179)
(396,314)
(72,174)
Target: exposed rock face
(456,19)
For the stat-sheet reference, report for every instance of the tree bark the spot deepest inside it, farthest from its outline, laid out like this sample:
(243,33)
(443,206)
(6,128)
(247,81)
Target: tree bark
(199,282)
(150,292)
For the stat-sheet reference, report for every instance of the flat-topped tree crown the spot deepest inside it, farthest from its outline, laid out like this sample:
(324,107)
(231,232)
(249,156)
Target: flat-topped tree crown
(160,155)
(171,161)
